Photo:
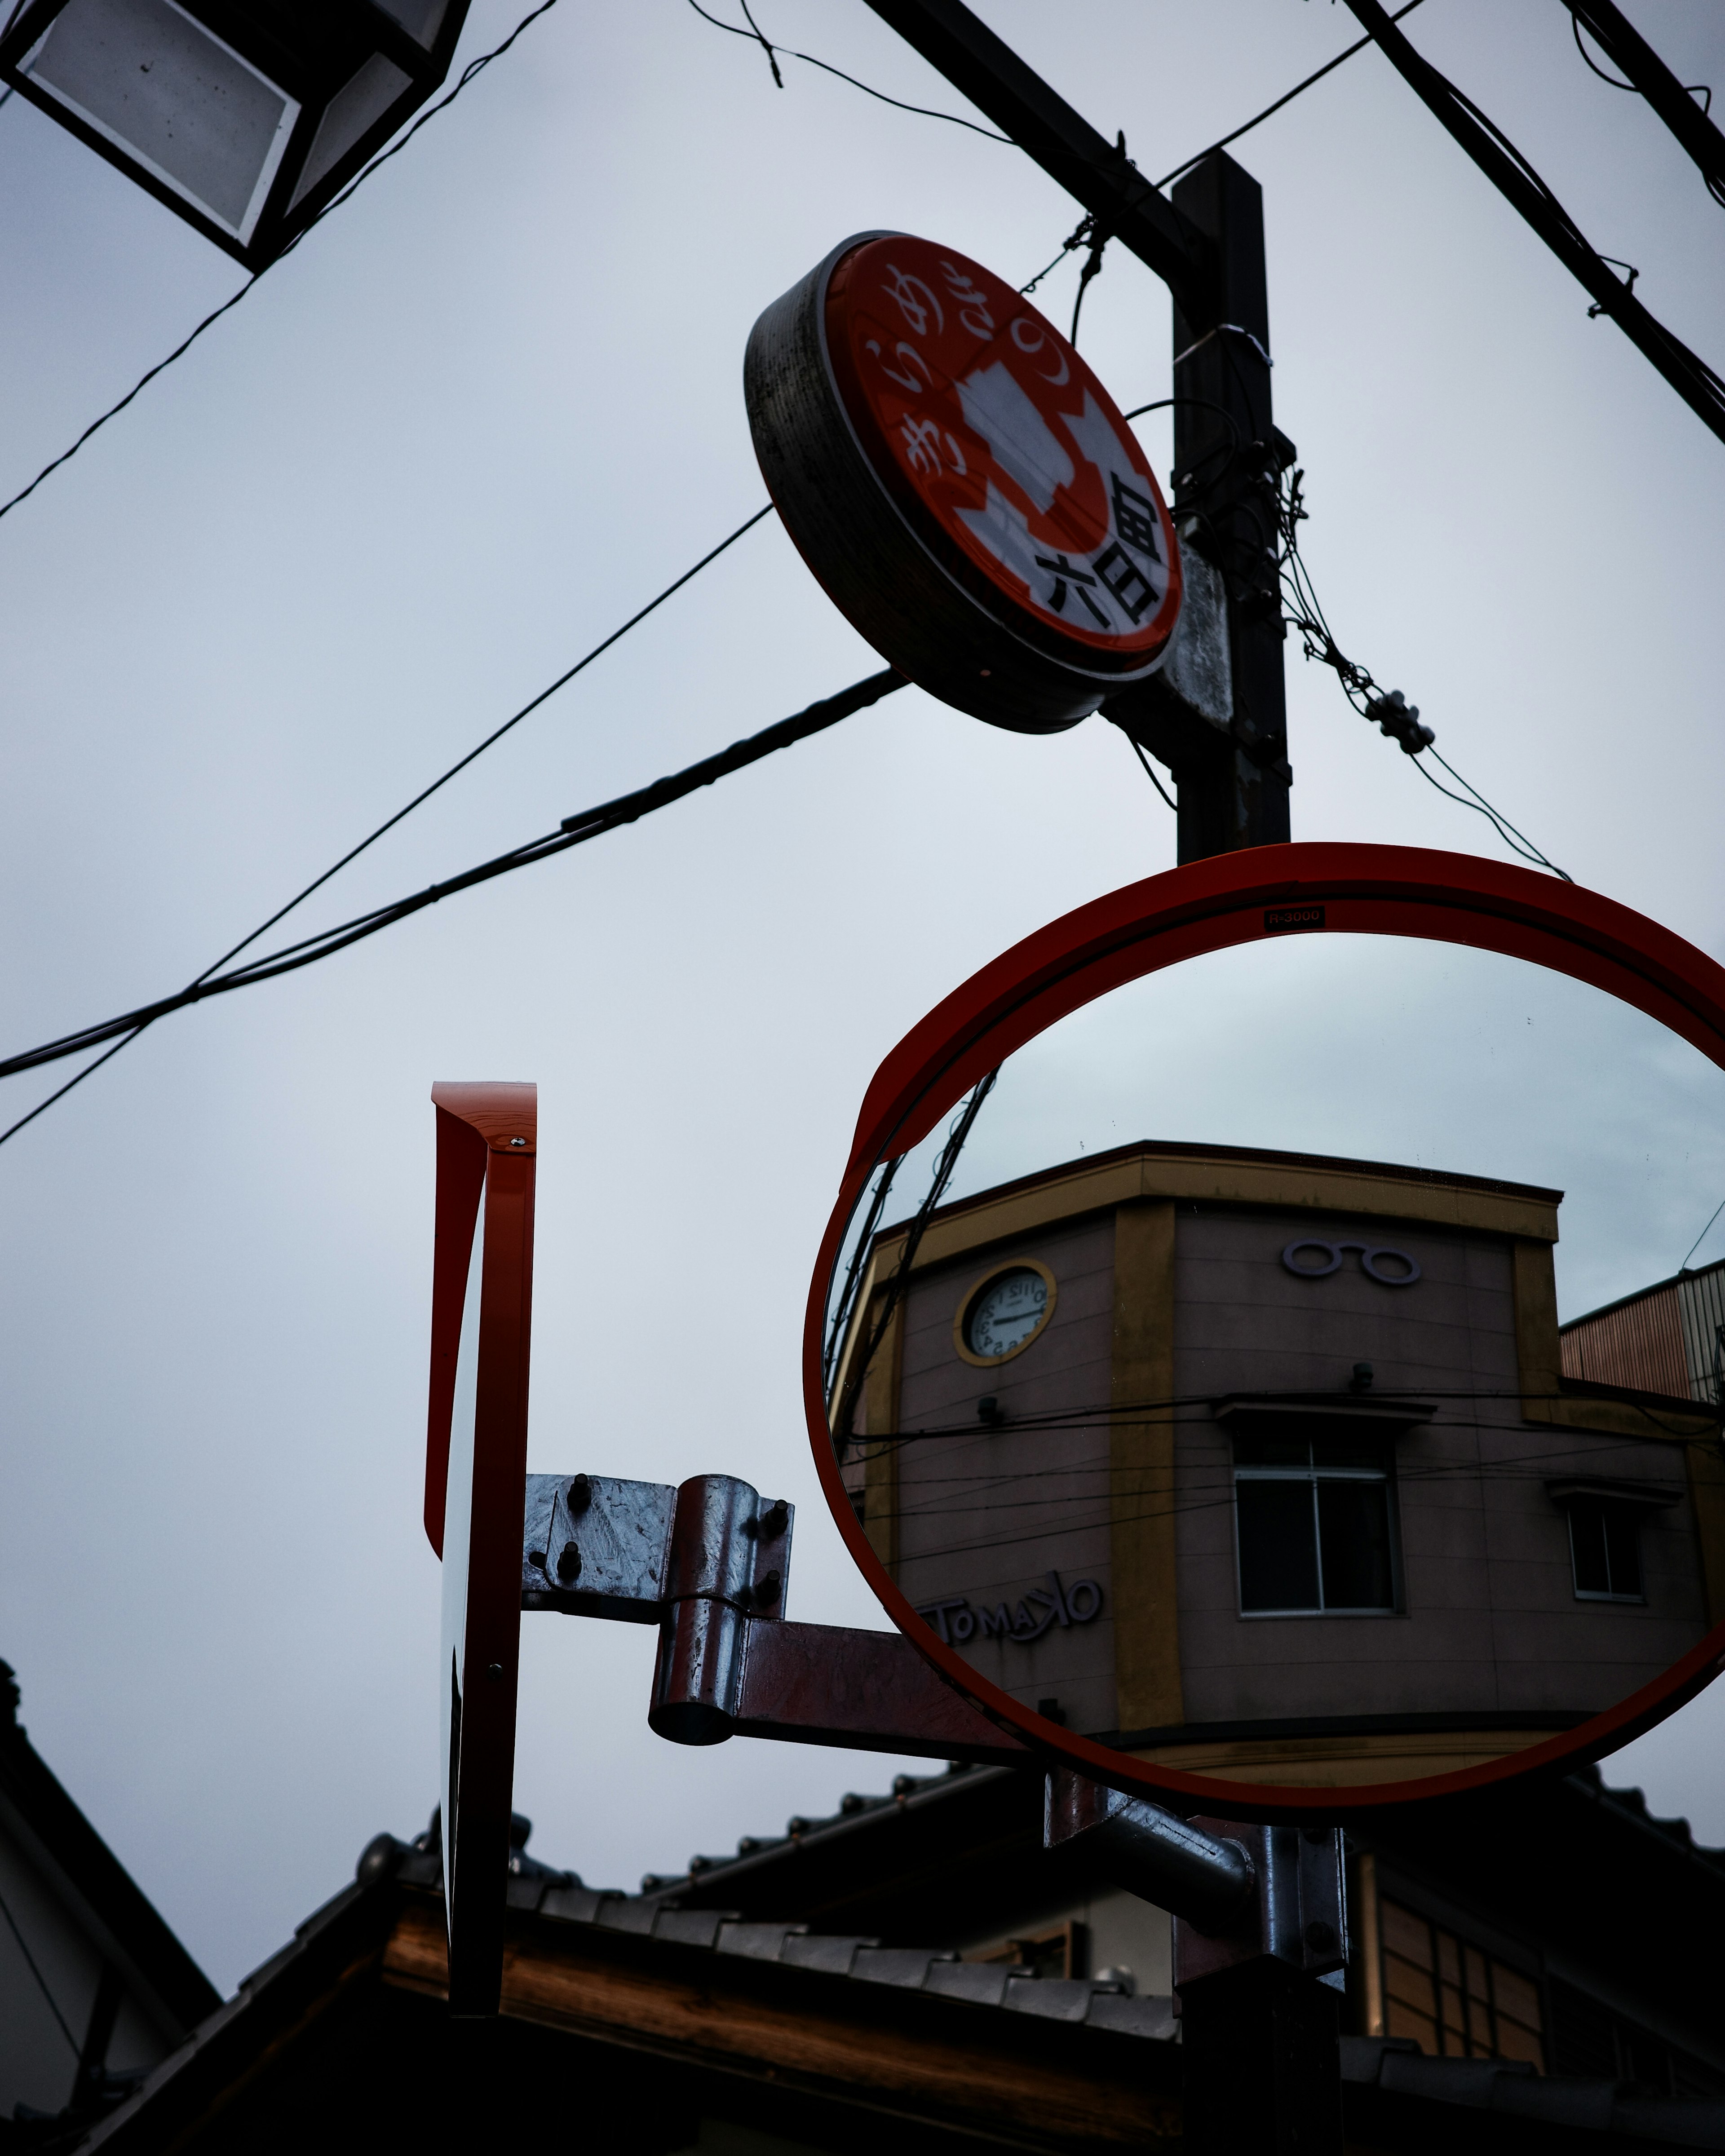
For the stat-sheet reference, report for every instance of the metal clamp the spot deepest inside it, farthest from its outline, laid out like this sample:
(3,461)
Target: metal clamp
(729,1556)
(1298,1915)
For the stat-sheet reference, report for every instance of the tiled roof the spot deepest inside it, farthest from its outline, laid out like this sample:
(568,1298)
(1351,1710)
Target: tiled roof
(1630,1806)
(852,1809)
(1399,2068)
(937,1971)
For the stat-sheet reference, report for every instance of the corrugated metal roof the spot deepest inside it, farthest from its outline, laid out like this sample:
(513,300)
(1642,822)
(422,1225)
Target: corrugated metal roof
(1665,1339)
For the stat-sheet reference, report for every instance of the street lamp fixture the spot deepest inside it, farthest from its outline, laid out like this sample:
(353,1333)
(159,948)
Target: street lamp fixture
(244,117)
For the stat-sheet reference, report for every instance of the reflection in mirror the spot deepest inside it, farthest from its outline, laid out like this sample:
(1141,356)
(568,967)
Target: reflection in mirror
(1295,1367)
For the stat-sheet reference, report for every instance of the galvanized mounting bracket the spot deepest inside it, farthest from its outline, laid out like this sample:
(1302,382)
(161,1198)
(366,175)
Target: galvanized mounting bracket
(1238,1892)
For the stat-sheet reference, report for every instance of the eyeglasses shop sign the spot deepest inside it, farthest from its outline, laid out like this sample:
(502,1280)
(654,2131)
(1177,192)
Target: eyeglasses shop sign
(955,1622)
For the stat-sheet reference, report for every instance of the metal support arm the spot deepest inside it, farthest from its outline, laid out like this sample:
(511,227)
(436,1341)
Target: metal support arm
(1199,1877)
(707,1563)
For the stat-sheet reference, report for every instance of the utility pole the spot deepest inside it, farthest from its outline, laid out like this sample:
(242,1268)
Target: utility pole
(1263,2070)
(1229,457)
(1216,715)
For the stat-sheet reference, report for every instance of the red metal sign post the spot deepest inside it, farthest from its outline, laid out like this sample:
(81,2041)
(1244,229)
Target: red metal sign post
(476,1467)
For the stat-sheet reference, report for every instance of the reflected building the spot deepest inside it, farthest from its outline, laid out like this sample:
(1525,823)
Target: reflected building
(1276,1467)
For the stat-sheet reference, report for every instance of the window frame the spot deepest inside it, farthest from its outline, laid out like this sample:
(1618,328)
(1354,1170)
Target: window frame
(1629,1515)
(1313,1474)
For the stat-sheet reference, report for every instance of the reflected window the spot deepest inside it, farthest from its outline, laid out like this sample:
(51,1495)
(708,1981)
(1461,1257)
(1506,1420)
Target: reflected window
(1454,2000)
(1313,1525)
(1605,1550)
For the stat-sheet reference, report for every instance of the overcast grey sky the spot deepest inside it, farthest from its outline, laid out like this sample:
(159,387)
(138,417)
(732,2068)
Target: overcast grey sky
(480,416)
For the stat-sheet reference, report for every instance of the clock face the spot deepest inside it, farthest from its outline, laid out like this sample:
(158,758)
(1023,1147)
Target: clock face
(1006,1313)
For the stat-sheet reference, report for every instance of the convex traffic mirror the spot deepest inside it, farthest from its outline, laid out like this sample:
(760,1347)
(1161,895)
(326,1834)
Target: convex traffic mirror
(1251,1354)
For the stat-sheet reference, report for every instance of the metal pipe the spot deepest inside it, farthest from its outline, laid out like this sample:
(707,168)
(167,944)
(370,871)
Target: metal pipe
(1150,1852)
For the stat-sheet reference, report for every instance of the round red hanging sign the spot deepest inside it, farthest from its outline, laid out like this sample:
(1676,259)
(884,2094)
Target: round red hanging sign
(962,483)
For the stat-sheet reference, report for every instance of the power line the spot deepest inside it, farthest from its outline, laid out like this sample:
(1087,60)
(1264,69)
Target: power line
(41,1980)
(1150,774)
(1286,97)
(1085,229)
(756,36)
(1702,389)
(574,831)
(389,823)
(1387,709)
(957,1131)
(1652,81)
(1702,1237)
(474,67)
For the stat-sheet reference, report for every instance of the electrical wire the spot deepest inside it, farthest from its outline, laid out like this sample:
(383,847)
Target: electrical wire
(41,1980)
(574,830)
(840,1318)
(474,67)
(1257,120)
(1702,1237)
(1703,90)
(1699,387)
(389,822)
(1137,752)
(923,111)
(957,1131)
(1384,708)
(1286,97)
(1652,81)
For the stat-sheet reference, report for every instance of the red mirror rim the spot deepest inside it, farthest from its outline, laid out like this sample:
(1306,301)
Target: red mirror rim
(1214,905)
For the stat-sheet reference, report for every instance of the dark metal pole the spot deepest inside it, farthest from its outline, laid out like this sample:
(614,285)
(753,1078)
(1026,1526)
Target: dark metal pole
(1206,246)
(1260,2016)
(1228,455)
(1263,2067)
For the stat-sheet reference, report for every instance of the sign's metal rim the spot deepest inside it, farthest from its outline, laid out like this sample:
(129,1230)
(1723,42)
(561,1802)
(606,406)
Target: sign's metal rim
(1009,613)
(1216,905)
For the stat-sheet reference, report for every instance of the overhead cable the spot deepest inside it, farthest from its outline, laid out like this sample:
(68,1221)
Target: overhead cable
(1083,234)
(759,37)
(1702,389)
(1653,80)
(474,67)
(425,793)
(1388,709)
(944,1166)
(1702,1237)
(1286,97)
(574,831)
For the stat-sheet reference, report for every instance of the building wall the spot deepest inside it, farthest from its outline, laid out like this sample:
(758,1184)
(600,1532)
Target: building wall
(39,2057)
(986,1515)
(1109,1461)
(1487,1587)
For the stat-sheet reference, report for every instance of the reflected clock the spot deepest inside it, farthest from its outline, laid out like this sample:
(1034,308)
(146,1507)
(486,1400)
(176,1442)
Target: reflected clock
(1004,1313)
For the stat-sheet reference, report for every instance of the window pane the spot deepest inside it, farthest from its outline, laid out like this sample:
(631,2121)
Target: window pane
(1405,1933)
(1587,1544)
(1353,1527)
(1400,2020)
(1278,1552)
(1623,1548)
(1514,2041)
(1517,1996)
